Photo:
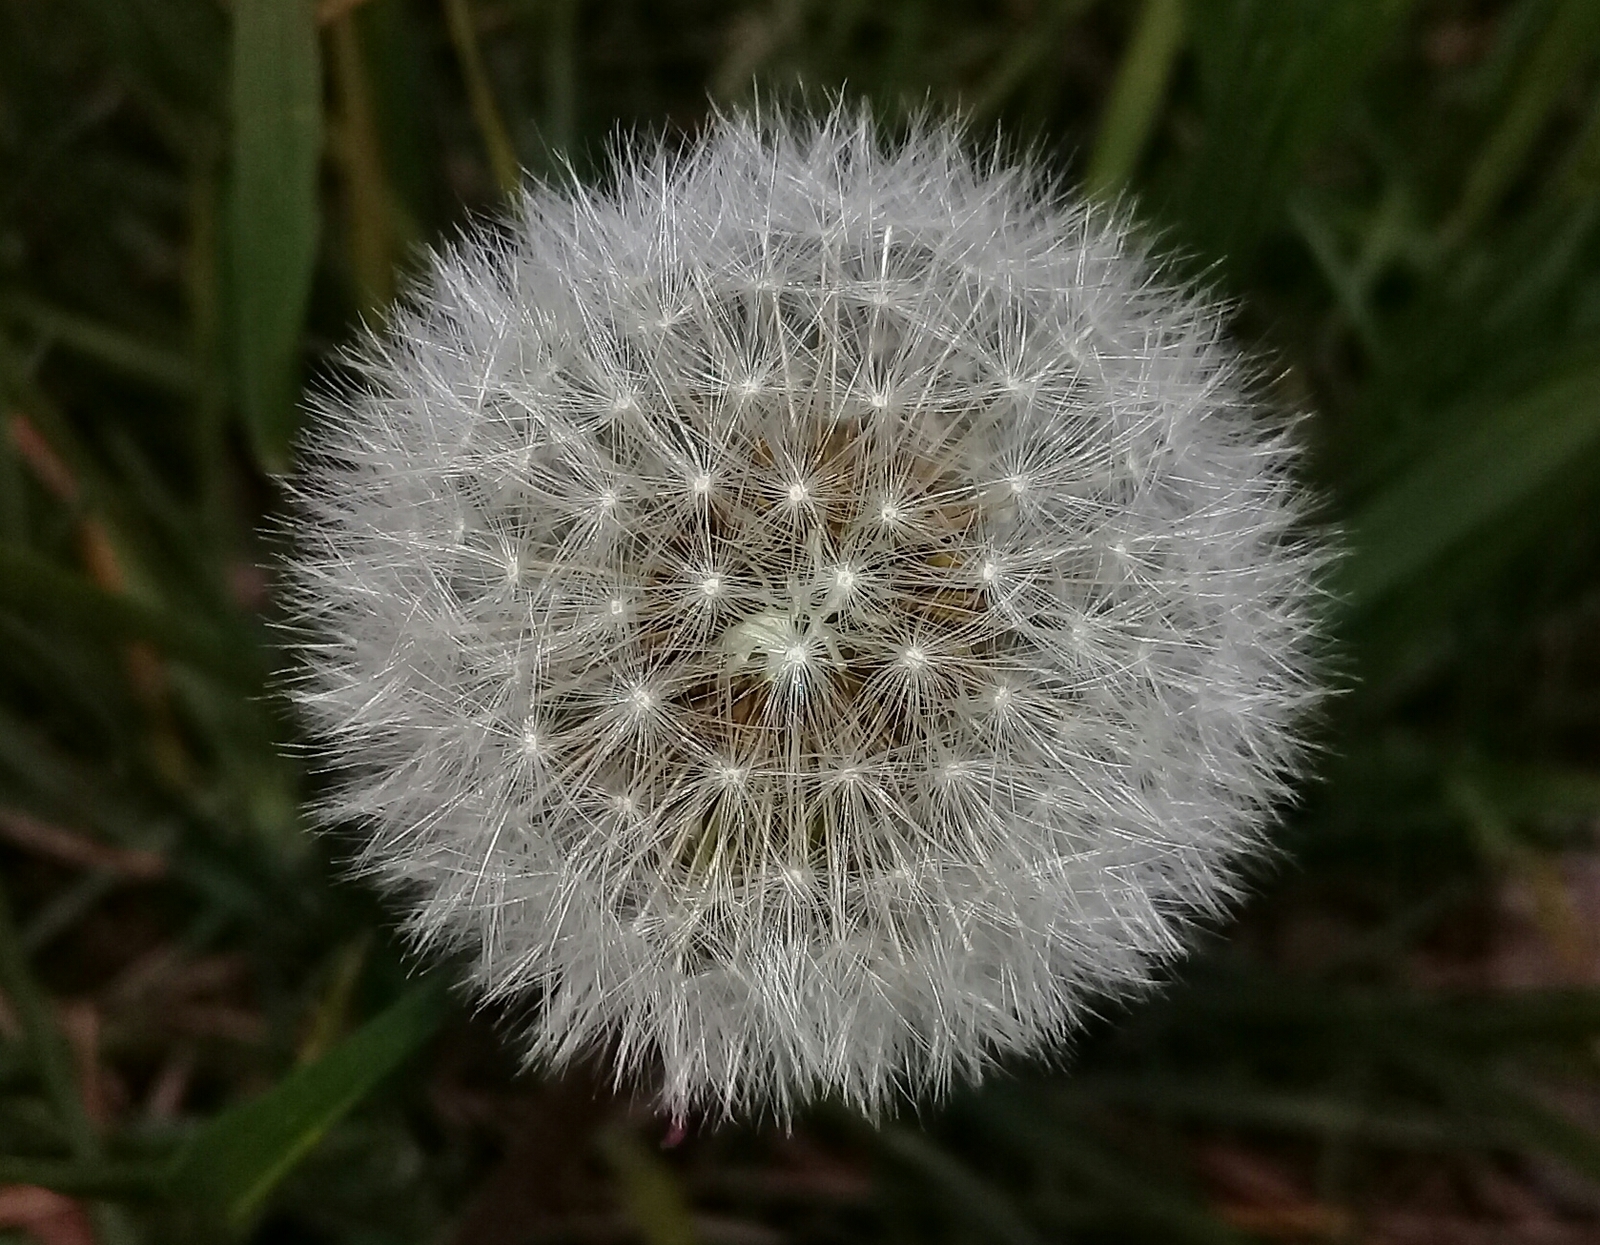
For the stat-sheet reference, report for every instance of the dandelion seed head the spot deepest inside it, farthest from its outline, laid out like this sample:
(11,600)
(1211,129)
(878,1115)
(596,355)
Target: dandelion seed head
(811,616)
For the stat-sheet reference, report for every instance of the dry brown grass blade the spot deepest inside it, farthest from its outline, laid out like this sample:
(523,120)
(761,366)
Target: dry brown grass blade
(71,848)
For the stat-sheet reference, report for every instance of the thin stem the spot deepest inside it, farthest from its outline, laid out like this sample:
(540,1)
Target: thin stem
(361,162)
(496,141)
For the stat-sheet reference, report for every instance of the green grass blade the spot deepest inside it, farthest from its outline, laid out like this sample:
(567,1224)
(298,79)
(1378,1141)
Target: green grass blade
(1489,1100)
(49,1050)
(1543,1129)
(277,143)
(974,1198)
(31,585)
(1569,41)
(88,1179)
(649,1190)
(1136,97)
(243,1153)
(111,346)
(1468,480)
(1115,1179)
(1274,77)
(1289,1111)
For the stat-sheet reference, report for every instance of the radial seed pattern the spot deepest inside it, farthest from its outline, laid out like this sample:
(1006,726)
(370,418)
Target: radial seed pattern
(808,617)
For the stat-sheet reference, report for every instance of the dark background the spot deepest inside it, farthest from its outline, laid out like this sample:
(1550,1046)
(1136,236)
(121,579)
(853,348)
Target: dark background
(205,1034)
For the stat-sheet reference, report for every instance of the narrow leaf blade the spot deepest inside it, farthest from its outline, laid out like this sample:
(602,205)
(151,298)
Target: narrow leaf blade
(1504,461)
(237,1160)
(277,142)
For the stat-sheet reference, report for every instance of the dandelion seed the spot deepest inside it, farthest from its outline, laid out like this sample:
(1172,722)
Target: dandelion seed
(731,776)
(1014,627)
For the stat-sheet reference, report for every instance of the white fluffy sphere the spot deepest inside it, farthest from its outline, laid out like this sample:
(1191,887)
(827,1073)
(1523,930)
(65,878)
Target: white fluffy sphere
(809,616)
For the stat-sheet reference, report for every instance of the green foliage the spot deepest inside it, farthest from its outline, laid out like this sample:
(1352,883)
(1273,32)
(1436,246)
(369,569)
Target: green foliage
(1491,464)
(198,201)
(277,145)
(232,1164)
(1135,100)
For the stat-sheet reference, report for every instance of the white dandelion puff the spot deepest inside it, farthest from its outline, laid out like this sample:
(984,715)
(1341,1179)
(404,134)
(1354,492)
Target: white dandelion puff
(809,617)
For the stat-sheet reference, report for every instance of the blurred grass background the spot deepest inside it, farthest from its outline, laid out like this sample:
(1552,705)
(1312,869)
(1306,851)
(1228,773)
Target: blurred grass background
(206,1035)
